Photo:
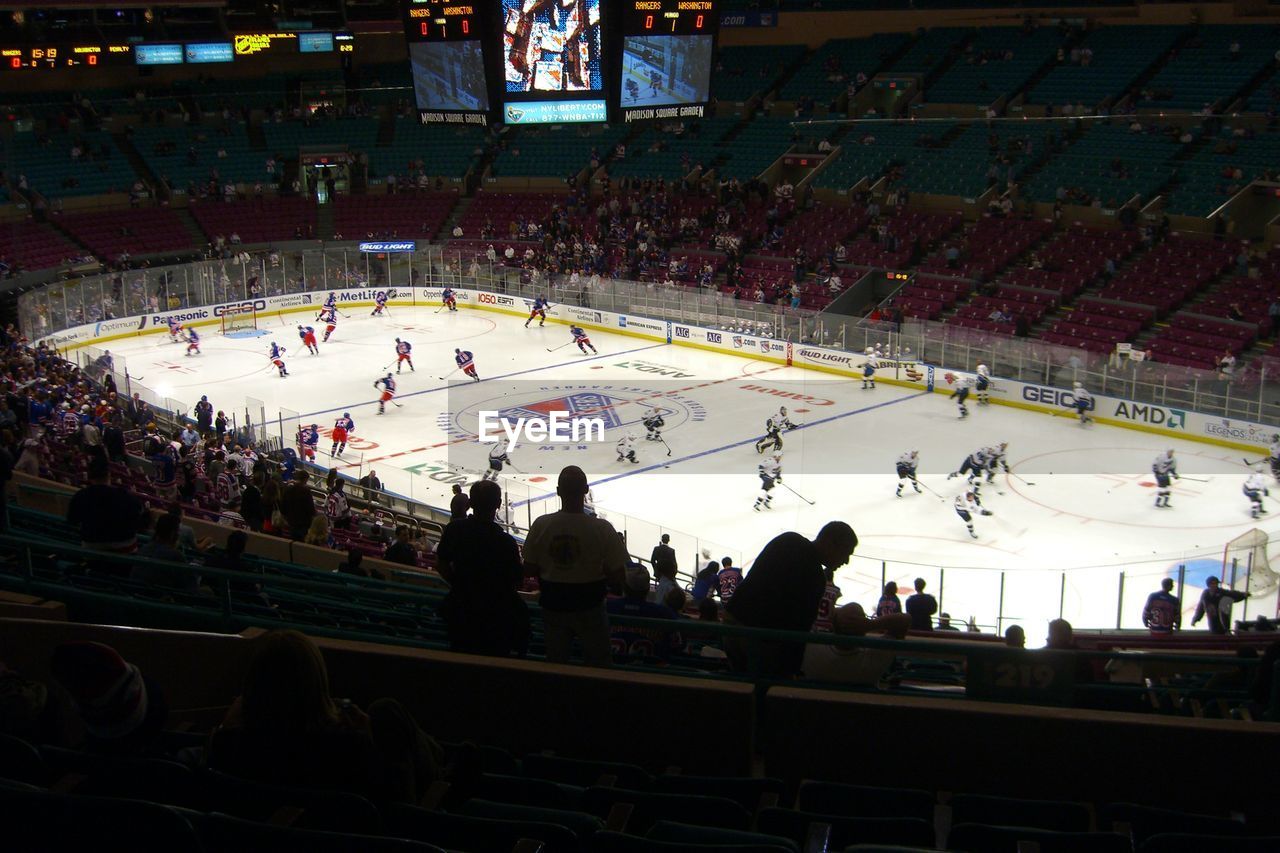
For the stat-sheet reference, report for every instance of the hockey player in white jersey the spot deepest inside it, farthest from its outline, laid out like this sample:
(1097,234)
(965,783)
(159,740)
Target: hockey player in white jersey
(1273,455)
(996,459)
(869,369)
(982,384)
(906,466)
(773,427)
(1165,467)
(967,506)
(1082,402)
(627,448)
(497,458)
(653,424)
(1254,488)
(770,475)
(963,384)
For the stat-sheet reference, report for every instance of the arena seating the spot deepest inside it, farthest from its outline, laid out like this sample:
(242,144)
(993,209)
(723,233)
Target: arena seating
(1203,72)
(51,169)
(996,63)
(1120,55)
(447,151)
(1110,163)
(868,152)
(138,231)
(185,155)
(757,145)
(34,245)
(699,143)
(1206,179)
(257,222)
(414,214)
(556,151)
(743,72)
(828,72)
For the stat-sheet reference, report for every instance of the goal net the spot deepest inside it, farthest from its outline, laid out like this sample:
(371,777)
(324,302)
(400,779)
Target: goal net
(239,320)
(1245,564)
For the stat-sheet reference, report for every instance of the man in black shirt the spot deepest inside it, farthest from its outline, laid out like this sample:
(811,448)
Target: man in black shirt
(482,564)
(109,517)
(401,551)
(1215,605)
(921,607)
(663,558)
(782,592)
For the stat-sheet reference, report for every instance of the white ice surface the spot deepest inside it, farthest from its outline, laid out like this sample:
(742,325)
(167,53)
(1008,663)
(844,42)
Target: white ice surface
(1077,515)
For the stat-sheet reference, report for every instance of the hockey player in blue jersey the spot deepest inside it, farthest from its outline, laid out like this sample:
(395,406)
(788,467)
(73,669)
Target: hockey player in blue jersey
(403,350)
(342,429)
(277,358)
(466,362)
(308,336)
(331,301)
(539,309)
(580,338)
(308,441)
(193,342)
(379,303)
(175,329)
(449,299)
(329,316)
(388,386)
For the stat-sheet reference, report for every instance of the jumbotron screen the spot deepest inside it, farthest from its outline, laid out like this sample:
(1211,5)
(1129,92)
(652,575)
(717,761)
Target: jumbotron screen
(667,54)
(446,56)
(552,61)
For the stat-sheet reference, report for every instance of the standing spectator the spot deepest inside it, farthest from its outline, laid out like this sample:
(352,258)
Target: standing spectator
(297,506)
(728,579)
(576,556)
(108,517)
(889,605)
(401,550)
(1163,611)
(1215,602)
(481,562)
(921,607)
(782,592)
(336,506)
(459,503)
(663,559)
(370,483)
(1273,312)
(204,415)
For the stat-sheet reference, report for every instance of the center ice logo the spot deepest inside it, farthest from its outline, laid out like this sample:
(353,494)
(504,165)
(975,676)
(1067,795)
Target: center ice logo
(572,418)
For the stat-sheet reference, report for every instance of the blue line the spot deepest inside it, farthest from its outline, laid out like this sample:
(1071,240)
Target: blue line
(742,443)
(490,379)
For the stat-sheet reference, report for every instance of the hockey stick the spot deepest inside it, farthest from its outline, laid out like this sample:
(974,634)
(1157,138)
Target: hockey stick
(664,444)
(797,494)
(929,490)
(343,313)
(450,373)
(438,310)
(1245,461)
(1024,481)
(562,346)
(1193,479)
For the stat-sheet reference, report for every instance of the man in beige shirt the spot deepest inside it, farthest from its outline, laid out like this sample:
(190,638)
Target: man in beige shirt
(575,556)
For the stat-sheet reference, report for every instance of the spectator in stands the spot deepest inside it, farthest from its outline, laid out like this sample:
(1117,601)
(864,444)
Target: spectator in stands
(1215,603)
(481,562)
(336,506)
(642,642)
(370,482)
(727,580)
(704,583)
(1273,314)
(782,592)
(109,517)
(401,550)
(297,506)
(888,604)
(318,532)
(853,665)
(576,557)
(286,728)
(1015,637)
(164,547)
(1227,364)
(921,607)
(663,559)
(121,709)
(1162,614)
(459,503)
(944,622)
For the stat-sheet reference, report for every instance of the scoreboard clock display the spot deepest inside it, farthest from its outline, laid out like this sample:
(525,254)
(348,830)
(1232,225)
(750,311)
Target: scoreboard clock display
(71,55)
(667,53)
(446,57)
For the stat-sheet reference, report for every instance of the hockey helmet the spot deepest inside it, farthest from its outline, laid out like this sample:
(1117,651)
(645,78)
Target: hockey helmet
(315,426)
(346,414)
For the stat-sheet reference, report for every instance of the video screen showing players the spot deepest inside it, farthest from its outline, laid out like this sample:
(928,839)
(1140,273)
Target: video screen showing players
(666,70)
(449,76)
(552,46)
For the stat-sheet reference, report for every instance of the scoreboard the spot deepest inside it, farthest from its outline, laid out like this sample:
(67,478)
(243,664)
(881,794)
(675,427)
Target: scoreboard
(446,57)
(668,48)
(47,57)
(670,17)
(553,60)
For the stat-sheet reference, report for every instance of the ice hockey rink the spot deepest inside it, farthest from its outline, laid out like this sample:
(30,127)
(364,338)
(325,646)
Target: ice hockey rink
(1075,513)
